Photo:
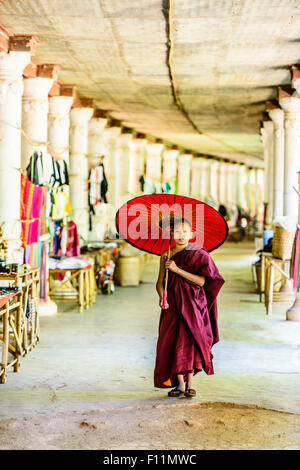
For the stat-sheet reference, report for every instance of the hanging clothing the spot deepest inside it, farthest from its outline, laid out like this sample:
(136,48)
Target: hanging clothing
(95,180)
(63,170)
(97,189)
(149,187)
(188,328)
(34,227)
(142,182)
(61,205)
(165,187)
(73,246)
(55,179)
(35,170)
(30,208)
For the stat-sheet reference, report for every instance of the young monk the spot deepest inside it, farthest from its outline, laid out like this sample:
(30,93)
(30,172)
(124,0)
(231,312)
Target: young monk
(188,327)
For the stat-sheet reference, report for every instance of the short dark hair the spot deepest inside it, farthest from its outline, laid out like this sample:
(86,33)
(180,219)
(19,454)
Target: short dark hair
(171,220)
(180,220)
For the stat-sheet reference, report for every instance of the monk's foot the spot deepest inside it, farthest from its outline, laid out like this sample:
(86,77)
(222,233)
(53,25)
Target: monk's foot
(190,392)
(176,392)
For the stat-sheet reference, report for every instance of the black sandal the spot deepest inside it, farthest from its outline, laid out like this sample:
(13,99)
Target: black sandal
(190,392)
(175,392)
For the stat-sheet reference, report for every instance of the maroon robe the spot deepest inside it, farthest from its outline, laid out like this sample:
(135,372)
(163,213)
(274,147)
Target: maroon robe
(189,327)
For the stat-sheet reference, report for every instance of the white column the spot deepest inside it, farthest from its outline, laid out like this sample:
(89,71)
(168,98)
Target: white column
(184,174)
(241,180)
(218,178)
(196,177)
(213,194)
(228,172)
(291,155)
(153,165)
(266,162)
(235,183)
(259,181)
(249,173)
(96,147)
(277,116)
(122,167)
(35,116)
(208,176)
(170,159)
(79,168)
(204,179)
(222,183)
(110,136)
(269,163)
(59,125)
(136,166)
(11,89)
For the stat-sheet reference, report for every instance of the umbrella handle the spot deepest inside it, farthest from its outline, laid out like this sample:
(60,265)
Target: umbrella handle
(165,303)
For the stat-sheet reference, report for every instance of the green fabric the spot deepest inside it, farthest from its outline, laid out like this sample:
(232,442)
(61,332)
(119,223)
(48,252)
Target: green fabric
(298,279)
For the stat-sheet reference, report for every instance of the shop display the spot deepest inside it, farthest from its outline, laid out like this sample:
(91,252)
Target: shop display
(3,245)
(19,332)
(97,189)
(105,256)
(82,281)
(10,332)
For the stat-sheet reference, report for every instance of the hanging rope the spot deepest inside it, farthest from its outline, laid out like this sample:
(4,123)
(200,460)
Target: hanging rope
(38,144)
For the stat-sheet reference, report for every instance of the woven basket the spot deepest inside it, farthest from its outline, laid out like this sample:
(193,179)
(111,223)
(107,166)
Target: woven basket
(282,243)
(128,271)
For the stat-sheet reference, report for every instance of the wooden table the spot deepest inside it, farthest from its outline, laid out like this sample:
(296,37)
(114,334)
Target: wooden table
(11,333)
(270,266)
(96,254)
(84,280)
(29,283)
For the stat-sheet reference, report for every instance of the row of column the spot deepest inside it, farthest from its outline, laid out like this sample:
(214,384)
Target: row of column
(207,179)
(280,136)
(78,136)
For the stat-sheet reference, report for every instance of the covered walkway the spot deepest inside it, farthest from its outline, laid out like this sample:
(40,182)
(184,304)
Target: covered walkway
(104,359)
(103,101)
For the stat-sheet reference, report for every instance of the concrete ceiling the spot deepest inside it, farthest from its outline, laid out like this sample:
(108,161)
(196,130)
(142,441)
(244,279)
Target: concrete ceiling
(196,73)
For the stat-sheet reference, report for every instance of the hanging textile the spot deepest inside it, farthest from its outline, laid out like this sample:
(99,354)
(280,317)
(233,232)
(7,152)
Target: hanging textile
(61,205)
(295,264)
(44,271)
(43,221)
(73,246)
(34,227)
(142,182)
(63,171)
(30,208)
(35,170)
(97,189)
(165,187)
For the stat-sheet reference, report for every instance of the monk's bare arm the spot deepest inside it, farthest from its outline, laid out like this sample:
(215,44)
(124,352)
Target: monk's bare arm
(200,280)
(159,284)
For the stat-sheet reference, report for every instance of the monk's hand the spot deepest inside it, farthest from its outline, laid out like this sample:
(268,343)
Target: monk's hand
(171,265)
(161,303)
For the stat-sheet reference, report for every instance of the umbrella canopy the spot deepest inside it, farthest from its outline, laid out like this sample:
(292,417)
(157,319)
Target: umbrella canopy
(145,222)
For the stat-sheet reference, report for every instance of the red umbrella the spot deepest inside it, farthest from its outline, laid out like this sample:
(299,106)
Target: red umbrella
(144,222)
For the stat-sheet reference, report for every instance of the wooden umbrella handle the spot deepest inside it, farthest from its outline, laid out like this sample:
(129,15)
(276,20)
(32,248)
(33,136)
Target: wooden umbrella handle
(165,303)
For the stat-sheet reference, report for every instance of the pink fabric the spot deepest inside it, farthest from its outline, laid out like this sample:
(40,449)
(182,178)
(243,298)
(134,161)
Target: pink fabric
(7,297)
(73,248)
(34,227)
(189,327)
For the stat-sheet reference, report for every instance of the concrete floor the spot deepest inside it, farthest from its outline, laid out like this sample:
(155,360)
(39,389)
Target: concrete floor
(104,357)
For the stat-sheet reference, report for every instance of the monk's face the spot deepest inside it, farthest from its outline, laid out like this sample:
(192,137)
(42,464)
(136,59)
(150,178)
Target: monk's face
(182,233)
